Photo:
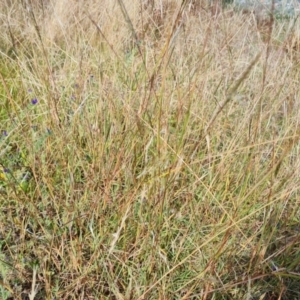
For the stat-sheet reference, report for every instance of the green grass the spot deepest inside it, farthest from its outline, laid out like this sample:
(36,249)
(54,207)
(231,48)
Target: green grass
(148,153)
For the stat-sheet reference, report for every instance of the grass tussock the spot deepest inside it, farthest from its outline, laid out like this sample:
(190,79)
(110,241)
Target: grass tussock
(149,150)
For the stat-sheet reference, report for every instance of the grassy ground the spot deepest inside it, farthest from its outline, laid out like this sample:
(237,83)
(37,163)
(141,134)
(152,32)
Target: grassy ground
(149,150)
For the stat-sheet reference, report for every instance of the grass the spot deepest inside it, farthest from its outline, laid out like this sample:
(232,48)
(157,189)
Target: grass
(148,151)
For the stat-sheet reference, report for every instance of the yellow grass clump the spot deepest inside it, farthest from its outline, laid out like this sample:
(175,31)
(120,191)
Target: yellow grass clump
(149,150)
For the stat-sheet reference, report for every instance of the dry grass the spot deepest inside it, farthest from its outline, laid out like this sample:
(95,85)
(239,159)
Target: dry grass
(149,150)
